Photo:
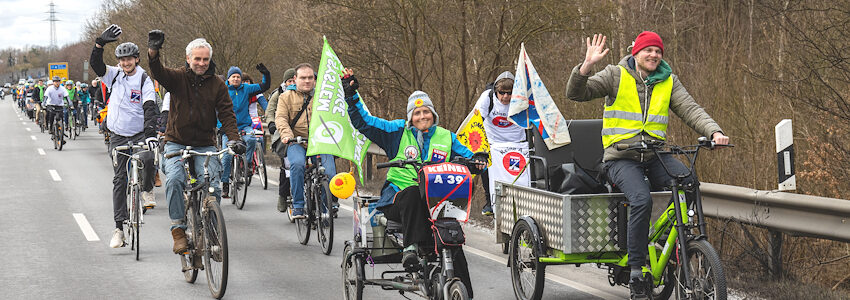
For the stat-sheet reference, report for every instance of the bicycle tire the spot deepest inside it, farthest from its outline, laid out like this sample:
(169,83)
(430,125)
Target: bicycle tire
(524,247)
(246,182)
(187,260)
(706,269)
(302,225)
(238,189)
(352,281)
(261,165)
(324,217)
(234,173)
(215,233)
(135,223)
(458,291)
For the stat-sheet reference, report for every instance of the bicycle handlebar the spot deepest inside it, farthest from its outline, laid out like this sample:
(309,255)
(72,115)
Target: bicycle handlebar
(297,139)
(650,145)
(186,153)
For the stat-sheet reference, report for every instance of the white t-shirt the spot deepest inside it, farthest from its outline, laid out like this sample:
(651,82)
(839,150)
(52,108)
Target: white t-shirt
(166,101)
(55,96)
(125,115)
(498,127)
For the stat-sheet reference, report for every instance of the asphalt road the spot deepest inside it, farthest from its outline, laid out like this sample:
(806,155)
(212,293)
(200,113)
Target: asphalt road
(45,253)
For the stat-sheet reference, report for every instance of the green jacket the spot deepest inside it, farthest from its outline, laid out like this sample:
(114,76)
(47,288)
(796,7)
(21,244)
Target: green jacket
(605,84)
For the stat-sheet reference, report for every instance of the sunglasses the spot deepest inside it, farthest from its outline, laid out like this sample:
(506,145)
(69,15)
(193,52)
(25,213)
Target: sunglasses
(504,92)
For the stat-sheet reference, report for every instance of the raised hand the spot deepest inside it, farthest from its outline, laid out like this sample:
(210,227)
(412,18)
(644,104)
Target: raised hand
(109,35)
(596,51)
(262,68)
(155,39)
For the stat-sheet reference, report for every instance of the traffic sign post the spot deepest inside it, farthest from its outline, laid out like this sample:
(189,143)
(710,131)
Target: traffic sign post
(58,69)
(785,156)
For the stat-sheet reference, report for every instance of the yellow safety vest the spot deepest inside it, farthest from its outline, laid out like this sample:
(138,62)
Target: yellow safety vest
(624,119)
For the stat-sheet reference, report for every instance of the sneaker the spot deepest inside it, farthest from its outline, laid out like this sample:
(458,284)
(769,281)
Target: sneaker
(225,190)
(281,203)
(638,288)
(181,244)
(487,210)
(298,213)
(117,239)
(410,260)
(148,200)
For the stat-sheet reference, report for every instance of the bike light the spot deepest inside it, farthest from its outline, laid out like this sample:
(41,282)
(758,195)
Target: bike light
(691,213)
(212,190)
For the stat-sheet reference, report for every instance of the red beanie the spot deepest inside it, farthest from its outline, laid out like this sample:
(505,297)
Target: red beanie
(646,39)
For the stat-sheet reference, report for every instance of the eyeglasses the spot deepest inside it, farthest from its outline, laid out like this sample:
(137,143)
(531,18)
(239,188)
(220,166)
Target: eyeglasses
(505,92)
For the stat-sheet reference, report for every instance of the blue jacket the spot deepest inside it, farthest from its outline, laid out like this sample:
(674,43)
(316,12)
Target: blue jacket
(387,135)
(241,96)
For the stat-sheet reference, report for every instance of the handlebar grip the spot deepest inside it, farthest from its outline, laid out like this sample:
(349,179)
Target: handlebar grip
(388,164)
(621,147)
(173,154)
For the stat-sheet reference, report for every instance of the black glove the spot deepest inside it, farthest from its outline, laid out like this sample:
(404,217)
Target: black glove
(109,35)
(155,39)
(272,128)
(238,147)
(262,68)
(480,159)
(350,86)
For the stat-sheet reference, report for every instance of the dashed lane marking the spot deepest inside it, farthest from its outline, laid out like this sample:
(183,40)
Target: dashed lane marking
(32,137)
(28,129)
(41,151)
(55,175)
(91,236)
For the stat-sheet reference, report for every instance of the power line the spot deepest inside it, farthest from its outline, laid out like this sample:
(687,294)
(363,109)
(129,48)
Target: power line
(52,19)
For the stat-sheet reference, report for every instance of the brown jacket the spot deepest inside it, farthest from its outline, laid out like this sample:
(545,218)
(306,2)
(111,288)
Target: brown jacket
(288,105)
(606,83)
(196,103)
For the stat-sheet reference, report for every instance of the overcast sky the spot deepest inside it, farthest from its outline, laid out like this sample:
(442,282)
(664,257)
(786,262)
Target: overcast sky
(22,22)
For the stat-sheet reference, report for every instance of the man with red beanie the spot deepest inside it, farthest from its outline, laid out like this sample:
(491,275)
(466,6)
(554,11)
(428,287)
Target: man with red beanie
(639,92)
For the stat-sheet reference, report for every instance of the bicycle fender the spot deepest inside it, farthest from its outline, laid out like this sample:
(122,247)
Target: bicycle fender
(534,229)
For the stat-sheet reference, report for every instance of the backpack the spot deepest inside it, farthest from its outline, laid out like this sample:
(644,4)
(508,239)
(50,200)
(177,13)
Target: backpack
(492,87)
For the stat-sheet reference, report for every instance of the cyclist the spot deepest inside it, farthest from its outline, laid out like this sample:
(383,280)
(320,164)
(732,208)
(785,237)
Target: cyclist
(130,118)
(283,188)
(292,119)
(240,94)
(55,97)
(417,137)
(638,92)
(83,104)
(71,102)
(197,97)
(37,97)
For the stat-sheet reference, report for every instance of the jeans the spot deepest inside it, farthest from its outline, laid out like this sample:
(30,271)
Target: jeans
(175,180)
(227,159)
(65,112)
(628,176)
(297,156)
(83,114)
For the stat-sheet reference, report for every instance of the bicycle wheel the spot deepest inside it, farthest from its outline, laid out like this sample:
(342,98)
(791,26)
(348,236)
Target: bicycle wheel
(353,275)
(58,136)
(302,225)
(190,260)
(135,222)
(707,280)
(261,165)
(324,217)
(238,189)
(457,291)
(216,256)
(246,181)
(527,273)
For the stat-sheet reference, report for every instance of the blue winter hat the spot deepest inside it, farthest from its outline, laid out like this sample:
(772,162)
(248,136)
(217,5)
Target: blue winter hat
(234,70)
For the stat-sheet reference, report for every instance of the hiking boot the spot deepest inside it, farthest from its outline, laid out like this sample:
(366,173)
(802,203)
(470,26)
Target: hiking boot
(117,239)
(148,200)
(410,260)
(225,190)
(639,288)
(487,210)
(281,203)
(156,181)
(181,244)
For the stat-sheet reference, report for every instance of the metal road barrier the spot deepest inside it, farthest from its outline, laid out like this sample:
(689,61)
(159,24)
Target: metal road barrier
(795,214)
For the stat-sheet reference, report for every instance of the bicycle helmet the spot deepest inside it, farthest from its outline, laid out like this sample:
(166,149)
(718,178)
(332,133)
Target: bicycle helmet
(83,85)
(127,49)
(71,82)
(56,78)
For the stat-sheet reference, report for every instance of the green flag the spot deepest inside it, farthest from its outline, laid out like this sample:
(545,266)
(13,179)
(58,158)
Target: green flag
(331,131)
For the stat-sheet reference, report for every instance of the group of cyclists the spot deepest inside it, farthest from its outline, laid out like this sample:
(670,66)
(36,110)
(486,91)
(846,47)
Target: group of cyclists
(60,100)
(200,108)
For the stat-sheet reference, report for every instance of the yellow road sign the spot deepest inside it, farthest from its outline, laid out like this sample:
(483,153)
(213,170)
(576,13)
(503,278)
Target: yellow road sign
(58,69)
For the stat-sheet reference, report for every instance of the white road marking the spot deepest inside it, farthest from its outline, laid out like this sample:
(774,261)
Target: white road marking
(55,175)
(28,129)
(23,123)
(32,137)
(20,119)
(91,236)
(41,151)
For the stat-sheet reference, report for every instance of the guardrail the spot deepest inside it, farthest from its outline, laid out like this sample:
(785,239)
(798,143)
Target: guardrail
(795,214)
